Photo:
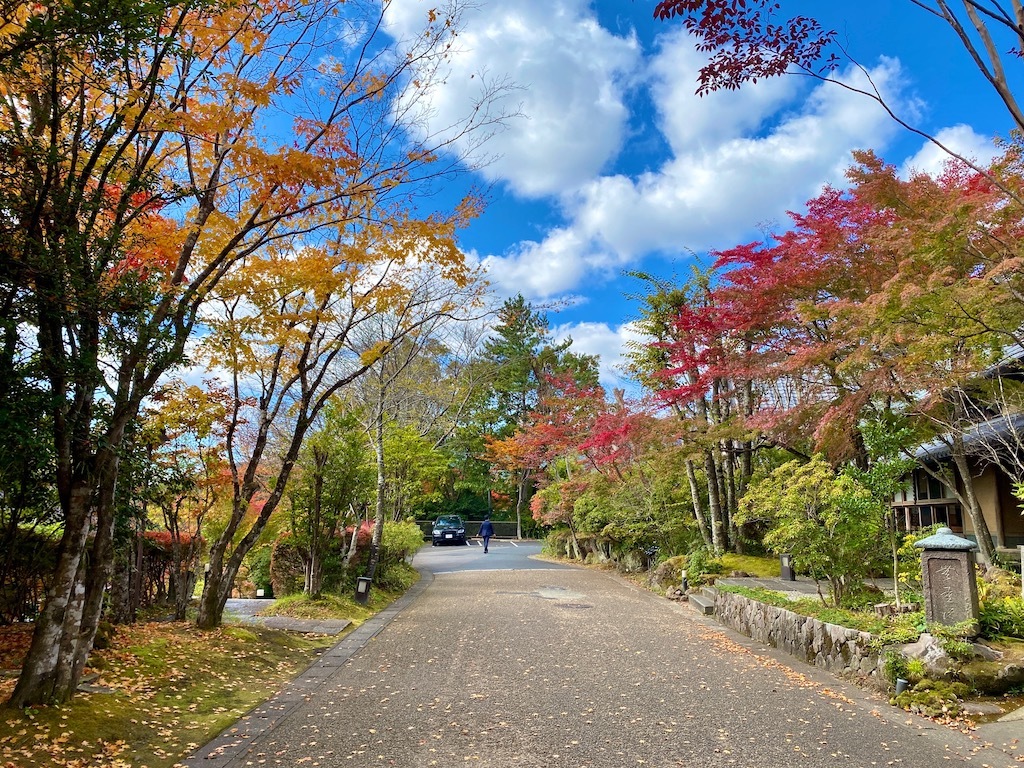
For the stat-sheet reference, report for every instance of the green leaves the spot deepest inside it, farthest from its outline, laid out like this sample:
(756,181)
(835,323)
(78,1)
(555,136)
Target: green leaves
(830,523)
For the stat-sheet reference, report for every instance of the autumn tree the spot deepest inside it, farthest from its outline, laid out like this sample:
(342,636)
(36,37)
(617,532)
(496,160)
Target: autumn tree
(891,294)
(695,363)
(546,445)
(149,155)
(523,356)
(749,40)
(635,498)
(948,307)
(298,327)
(191,425)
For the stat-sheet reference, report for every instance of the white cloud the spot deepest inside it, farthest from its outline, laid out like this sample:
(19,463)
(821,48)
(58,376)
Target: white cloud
(540,270)
(734,161)
(715,190)
(570,74)
(961,139)
(719,187)
(609,343)
(689,121)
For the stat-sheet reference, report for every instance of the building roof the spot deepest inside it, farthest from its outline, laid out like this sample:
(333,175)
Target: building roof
(1000,427)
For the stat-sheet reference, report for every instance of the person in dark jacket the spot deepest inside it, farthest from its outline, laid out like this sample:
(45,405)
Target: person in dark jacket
(486,531)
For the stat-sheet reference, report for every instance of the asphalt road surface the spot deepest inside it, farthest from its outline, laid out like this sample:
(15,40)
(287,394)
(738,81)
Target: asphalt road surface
(503,554)
(506,661)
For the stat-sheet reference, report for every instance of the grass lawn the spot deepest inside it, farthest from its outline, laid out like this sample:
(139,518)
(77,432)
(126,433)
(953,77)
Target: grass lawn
(761,566)
(163,688)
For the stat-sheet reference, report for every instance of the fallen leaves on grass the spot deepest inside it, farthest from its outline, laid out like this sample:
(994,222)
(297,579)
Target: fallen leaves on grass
(159,690)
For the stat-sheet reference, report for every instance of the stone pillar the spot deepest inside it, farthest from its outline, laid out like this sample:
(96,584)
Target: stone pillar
(950,584)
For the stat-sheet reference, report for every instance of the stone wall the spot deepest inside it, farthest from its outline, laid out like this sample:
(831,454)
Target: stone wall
(841,651)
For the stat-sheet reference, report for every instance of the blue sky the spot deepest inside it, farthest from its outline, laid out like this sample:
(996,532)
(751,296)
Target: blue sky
(615,164)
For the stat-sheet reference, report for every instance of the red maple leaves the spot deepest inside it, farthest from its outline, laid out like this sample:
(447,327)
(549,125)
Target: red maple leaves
(747,42)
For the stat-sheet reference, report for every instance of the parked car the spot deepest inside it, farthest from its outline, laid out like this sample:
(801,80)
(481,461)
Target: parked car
(448,529)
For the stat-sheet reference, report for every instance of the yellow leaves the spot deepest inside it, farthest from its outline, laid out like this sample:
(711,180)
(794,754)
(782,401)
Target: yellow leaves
(375,353)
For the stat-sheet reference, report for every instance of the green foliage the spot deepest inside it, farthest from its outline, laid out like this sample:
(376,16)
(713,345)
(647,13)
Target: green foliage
(916,670)
(895,666)
(861,596)
(761,595)
(398,577)
(29,557)
(900,628)
(762,567)
(641,506)
(334,473)
(400,541)
(829,522)
(1002,617)
(701,565)
(416,471)
(954,639)
(909,560)
(554,543)
(258,561)
(885,438)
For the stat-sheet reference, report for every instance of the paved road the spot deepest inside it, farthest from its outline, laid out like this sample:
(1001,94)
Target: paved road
(503,554)
(575,668)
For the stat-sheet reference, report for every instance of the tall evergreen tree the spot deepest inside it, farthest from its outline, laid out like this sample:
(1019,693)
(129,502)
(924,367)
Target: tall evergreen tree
(524,357)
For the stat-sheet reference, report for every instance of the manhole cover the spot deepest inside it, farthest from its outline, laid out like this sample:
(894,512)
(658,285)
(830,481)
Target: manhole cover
(575,606)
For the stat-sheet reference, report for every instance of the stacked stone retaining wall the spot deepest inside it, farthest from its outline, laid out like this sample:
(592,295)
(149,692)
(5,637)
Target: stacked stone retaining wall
(841,651)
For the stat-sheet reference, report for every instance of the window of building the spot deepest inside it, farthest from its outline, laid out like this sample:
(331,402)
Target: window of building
(926,501)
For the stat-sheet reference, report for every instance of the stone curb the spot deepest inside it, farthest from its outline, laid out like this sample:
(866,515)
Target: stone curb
(233,746)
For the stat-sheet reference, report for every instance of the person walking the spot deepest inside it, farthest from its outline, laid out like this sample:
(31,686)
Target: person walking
(486,531)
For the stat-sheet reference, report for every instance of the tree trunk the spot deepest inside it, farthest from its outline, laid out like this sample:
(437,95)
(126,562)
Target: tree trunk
(894,548)
(316,575)
(356,525)
(67,625)
(521,488)
(575,542)
(378,522)
(315,530)
(731,498)
(714,503)
(220,579)
(100,567)
(120,589)
(184,574)
(138,575)
(698,504)
(986,547)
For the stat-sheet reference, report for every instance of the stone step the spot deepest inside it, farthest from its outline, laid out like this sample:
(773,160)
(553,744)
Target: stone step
(702,604)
